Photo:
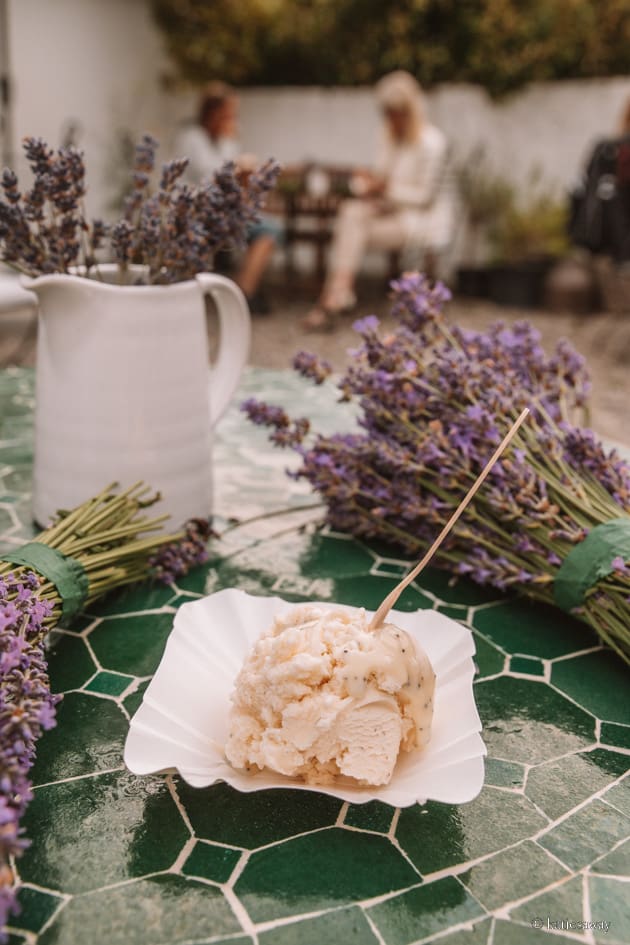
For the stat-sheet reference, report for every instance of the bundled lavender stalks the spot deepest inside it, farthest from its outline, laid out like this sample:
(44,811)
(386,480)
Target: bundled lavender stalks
(435,401)
(108,542)
(172,229)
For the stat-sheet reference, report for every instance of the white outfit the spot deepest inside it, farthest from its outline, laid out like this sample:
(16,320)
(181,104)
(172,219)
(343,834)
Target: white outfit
(416,211)
(205,154)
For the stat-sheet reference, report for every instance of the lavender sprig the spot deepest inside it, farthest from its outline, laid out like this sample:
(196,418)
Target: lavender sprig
(173,230)
(435,400)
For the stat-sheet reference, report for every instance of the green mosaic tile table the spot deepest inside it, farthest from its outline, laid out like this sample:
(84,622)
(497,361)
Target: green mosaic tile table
(120,860)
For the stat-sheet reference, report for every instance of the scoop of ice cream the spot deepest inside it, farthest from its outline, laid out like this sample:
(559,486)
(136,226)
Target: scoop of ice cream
(320,695)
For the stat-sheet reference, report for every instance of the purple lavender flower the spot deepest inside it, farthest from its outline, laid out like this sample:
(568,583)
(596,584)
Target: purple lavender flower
(27,708)
(175,560)
(434,402)
(312,367)
(174,231)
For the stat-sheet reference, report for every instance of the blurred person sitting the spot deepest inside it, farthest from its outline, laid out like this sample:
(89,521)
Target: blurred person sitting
(600,205)
(208,144)
(405,202)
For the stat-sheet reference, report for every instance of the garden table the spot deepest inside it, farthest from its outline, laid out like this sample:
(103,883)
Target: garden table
(122,859)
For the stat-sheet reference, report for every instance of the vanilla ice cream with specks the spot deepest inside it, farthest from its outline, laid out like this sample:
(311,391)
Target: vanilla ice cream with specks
(321,696)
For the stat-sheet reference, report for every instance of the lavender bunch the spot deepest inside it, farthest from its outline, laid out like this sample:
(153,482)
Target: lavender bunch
(27,708)
(435,401)
(116,543)
(172,229)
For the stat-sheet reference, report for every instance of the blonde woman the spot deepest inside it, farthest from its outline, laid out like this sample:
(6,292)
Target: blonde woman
(404,201)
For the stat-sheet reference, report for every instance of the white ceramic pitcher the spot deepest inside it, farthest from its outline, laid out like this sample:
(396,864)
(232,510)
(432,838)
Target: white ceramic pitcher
(124,390)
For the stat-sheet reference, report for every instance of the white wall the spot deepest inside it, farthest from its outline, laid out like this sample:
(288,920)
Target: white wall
(95,62)
(102,63)
(548,126)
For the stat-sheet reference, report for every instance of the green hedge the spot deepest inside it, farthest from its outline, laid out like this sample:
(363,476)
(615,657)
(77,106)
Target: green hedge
(501,44)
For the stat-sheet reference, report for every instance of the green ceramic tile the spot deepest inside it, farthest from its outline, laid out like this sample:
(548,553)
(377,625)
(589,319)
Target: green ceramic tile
(488,660)
(477,934)
(437,836)
(179,599)
(195,581)
(81,622)
(231,940)
(20,479)
(393,569)
(424,911)
(69,663)
(526,721)
(343,926)
(597,681)
(89,736)
(509,933)
(522,627)
(563,901)
(252,820)
(615,863)
(132,599)
(613,734)
(102,830)
(527,664)
(587,834)
(371,816)
(560,785)
(504,773)
(6,521)
(109,684)
(512,874)
(610,905)
(132,645)
(328,868)
(454,612)
(619,796)
(163,910)
(36,909)
(210,861)
(335,558)
(134,699)
(367,591)
(453,590)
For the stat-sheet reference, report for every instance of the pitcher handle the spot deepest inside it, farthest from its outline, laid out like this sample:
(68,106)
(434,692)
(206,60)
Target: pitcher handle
(234,339)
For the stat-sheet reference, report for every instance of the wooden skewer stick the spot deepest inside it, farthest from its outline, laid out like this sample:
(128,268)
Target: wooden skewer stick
(393,596)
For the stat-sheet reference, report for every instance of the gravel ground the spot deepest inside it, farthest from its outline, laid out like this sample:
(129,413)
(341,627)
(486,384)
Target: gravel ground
(603,338)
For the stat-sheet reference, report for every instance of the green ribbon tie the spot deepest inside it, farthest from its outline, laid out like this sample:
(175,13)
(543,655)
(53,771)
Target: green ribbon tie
(590,561)
(67,574)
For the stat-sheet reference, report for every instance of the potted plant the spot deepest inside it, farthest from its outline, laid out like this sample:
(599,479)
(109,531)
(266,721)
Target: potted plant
(484,197)
(527,240)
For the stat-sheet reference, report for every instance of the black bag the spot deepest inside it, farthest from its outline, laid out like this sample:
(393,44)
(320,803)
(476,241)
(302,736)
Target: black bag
(599,217)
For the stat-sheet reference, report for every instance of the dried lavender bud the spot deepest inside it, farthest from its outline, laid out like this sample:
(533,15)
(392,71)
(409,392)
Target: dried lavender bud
(172,172)
(9,184)
(122,233)
(312,367)
(176,560)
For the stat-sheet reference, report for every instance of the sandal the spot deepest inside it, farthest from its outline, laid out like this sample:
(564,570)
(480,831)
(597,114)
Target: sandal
(319,319)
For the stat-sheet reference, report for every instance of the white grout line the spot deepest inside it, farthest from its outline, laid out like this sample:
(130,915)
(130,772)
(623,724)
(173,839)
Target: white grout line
(182,856)
(375,931)
(240,912)
(391,833)
(178,804)
(79,777)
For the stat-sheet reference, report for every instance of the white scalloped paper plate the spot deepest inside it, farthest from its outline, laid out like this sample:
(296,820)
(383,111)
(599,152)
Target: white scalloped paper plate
(184,717)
